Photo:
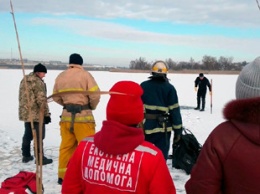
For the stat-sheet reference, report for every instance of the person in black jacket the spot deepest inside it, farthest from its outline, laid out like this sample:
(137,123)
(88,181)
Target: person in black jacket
(201,83)
(162,110)
(229,160)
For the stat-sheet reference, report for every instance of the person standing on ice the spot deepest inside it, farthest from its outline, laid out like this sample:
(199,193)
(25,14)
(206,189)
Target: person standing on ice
(77,120)
(202,83)
(229,160)
(117,159)
(32,96)
(162,110)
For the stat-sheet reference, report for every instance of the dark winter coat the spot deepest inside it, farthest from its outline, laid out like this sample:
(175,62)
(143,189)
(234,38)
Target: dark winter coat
(202,84)
(230,158)
(161,97)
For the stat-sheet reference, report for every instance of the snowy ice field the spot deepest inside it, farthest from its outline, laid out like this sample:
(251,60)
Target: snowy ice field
(11,129)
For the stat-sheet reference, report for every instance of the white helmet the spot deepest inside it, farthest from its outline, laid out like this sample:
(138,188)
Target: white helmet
(160,67)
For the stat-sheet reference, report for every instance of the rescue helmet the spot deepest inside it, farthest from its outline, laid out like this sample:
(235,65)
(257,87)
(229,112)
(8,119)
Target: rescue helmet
(160,67)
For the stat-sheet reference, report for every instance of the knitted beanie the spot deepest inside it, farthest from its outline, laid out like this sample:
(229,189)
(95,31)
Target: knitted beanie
(248,82)
(125,108)
(39,68)
(75,59)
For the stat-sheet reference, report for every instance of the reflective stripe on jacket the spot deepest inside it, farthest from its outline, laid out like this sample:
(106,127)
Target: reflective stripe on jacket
(161,97)
(75,78)
(117,161)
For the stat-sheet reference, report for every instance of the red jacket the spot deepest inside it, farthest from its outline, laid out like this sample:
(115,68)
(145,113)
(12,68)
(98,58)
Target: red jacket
(21,183)
(230,158)
(117,160)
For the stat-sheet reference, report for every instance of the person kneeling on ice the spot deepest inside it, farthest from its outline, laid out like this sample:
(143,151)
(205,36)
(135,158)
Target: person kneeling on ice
(117,159)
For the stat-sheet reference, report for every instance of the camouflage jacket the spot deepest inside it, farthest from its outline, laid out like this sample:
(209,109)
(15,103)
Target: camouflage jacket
(37,97)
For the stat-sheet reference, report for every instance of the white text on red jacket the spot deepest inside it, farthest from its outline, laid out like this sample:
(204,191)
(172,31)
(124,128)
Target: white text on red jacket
(115,171)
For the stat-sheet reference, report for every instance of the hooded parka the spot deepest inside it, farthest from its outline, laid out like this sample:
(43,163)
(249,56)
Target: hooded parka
(117,160)
(230,158)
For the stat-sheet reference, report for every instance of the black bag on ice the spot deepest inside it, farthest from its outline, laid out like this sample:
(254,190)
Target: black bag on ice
(186,151)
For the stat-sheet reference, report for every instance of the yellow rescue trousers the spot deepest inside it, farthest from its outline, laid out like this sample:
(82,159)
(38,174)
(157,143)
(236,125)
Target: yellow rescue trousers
(70,141)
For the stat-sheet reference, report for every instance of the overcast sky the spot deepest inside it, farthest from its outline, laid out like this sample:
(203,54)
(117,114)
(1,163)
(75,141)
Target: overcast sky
(114,32)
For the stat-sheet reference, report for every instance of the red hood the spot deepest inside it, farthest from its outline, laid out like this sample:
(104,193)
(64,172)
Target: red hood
(245,115)
(115,138)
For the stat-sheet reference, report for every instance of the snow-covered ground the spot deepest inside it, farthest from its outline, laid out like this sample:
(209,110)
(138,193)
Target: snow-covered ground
(11,129)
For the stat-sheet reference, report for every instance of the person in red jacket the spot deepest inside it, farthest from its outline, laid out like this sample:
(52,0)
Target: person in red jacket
(229,160)
(117,159)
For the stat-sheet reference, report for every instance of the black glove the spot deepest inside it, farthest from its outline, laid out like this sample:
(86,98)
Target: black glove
(176,142)
(176,139)
(47,119)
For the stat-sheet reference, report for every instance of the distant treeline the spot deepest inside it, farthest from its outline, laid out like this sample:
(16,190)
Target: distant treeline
(10,66)
(208,63)
(52,67)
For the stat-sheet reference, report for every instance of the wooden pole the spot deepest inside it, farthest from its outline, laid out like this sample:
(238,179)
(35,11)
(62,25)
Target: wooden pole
(257,4)
(40,157)
(38,176)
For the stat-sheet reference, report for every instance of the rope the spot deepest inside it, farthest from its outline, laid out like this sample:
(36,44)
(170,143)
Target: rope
(58,94)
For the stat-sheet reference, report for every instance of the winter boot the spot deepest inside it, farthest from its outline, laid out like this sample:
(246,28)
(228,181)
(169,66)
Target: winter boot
(60,180)
(46,160)
(27,159)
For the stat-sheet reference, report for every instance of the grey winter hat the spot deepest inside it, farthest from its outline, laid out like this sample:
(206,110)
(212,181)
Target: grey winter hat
(248,81)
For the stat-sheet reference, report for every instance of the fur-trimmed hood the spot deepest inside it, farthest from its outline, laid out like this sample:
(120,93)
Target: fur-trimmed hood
(243,110)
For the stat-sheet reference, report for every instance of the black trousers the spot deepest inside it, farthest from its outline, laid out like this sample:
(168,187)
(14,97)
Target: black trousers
(28,137)
(160,140)
(201,99)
